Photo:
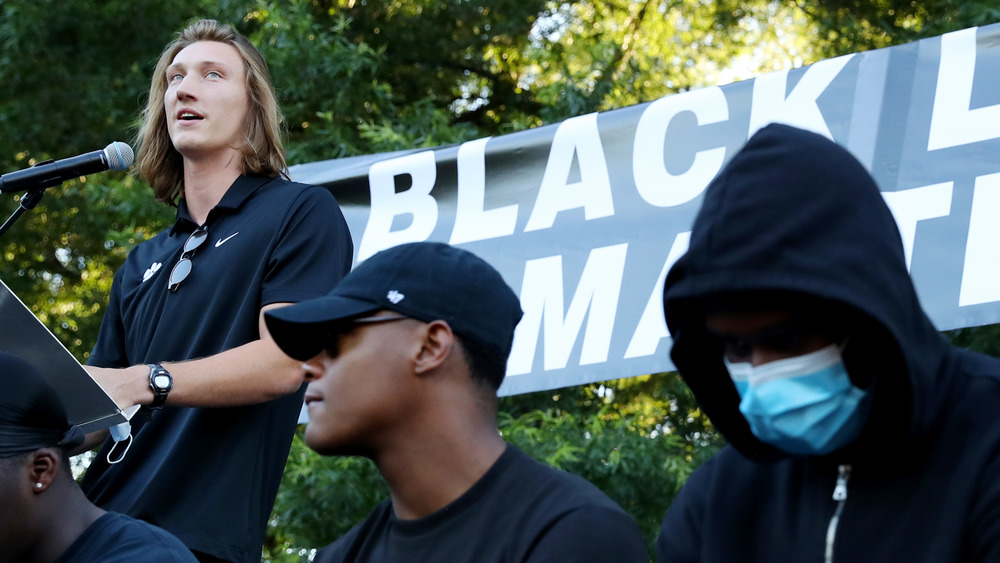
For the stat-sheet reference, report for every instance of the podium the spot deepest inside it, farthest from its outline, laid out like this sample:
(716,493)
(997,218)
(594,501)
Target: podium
(21,333)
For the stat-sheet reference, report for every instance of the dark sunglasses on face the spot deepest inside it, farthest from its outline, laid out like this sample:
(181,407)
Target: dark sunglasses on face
(333,337)
(182,268)
(788,338)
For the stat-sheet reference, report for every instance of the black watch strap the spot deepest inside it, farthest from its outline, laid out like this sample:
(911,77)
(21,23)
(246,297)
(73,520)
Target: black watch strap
(161,382)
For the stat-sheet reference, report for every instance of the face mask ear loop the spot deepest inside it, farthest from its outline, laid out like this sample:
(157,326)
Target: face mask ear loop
(122,456)
(120,433)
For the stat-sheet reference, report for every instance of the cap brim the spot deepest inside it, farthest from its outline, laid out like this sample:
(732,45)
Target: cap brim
(302,330)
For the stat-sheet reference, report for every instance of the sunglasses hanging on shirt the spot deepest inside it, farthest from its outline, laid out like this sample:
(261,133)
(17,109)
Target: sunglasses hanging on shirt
(182,268)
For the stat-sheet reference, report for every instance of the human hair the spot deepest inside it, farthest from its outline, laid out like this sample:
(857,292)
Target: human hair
(12,464)
(159,163)
(487,366)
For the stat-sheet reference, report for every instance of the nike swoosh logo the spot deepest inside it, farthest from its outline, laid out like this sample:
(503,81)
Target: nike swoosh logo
(222,241)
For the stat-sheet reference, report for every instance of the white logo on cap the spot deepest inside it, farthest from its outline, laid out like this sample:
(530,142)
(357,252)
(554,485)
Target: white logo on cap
(394,296)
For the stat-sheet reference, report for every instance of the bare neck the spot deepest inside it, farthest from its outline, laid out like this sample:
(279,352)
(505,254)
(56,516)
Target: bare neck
(206,181)
(64,516)
(428,470)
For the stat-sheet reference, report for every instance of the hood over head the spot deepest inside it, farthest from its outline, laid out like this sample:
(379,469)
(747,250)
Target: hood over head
(794,221)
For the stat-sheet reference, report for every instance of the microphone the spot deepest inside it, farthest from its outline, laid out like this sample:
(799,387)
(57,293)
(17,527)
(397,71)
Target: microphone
(116,156)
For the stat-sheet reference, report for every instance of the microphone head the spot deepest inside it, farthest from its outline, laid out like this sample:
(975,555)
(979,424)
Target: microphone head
(119,155)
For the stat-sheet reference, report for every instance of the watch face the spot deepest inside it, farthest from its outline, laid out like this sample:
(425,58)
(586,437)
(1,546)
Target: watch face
(161,381)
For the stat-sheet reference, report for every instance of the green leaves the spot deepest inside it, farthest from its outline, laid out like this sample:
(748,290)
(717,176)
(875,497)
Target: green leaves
(319,500)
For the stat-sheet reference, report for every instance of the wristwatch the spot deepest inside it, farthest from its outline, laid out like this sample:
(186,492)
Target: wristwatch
(161,382)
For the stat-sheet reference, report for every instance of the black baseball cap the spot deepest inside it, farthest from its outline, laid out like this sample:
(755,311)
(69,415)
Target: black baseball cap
(427,281)
(31,414)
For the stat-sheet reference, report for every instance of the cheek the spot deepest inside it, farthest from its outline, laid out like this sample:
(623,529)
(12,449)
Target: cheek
(239,105)
(169,96)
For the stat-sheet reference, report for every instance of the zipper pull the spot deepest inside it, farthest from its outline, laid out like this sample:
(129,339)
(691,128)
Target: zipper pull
(840,491)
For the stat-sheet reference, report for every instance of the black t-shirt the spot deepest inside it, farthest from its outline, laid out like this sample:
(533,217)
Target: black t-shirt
(116,538)
(210,475)
(519,511)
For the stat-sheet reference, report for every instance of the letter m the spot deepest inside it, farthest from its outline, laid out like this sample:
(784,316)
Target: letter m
(543,304)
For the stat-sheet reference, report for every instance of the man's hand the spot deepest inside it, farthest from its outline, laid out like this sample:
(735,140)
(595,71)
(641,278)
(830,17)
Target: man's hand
(127,386)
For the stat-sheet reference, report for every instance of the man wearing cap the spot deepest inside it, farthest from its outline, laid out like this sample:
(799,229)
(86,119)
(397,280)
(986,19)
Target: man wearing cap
(404,358)
(856,432)
(44,516)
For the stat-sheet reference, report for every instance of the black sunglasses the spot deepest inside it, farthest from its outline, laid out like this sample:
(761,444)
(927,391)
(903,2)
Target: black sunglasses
(182,268)
(787,337)
(333,337)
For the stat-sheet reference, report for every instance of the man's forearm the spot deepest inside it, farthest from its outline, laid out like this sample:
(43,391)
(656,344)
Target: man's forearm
(252,373)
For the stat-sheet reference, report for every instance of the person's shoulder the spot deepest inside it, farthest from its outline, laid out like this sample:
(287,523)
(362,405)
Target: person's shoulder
(286,187)
(556,481)
(296,197)
(592,534)
(536,492)
(115,537)
(981,368)
(967,390)
(350,546)
(577,521)
(156,543)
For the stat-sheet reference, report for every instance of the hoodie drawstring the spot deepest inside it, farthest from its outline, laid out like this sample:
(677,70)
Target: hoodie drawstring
(839,495)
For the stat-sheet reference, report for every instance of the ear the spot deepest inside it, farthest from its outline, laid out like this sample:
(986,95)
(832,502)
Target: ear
(45,465)
(438,344)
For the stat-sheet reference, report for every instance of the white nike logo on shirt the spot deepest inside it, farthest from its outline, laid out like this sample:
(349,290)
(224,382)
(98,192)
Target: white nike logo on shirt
(222,241)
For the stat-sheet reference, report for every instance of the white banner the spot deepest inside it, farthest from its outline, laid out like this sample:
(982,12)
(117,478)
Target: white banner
(583,218)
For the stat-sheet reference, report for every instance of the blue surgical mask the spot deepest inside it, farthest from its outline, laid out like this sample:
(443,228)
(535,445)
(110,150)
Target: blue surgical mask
(803,405)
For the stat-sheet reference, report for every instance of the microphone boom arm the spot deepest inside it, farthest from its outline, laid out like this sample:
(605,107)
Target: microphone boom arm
(48,173)
(28,201)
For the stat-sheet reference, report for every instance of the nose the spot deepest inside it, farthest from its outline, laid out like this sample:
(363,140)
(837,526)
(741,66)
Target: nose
(312,369)
(184,89)
(760,355)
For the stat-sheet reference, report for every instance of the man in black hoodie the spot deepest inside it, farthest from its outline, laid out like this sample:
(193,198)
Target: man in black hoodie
(856,431)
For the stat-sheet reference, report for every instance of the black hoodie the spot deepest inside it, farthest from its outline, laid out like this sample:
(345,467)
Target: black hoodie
(795,216)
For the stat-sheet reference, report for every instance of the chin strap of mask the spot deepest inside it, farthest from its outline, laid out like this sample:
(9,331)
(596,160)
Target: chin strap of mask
(122,433)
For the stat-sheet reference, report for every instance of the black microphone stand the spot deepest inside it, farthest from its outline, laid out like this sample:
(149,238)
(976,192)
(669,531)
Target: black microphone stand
(29,200)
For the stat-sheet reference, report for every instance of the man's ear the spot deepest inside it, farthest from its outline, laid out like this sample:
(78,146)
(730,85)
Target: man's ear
(45,466)
(438,344)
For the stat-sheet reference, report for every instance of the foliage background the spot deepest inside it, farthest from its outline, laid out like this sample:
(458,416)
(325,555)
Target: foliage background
(364,76)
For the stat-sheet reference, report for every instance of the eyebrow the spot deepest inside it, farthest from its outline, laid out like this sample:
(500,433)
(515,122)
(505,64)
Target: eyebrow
(199,64)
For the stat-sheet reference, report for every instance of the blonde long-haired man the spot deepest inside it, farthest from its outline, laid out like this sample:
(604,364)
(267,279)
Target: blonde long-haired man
(183,334)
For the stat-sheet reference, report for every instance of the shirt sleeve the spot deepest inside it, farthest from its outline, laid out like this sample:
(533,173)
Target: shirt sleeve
(110,350)
(314,250)
(591,535)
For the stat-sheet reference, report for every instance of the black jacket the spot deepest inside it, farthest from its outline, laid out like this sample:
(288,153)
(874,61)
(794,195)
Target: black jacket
(794,213)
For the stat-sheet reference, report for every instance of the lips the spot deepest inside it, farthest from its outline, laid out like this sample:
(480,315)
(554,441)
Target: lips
(312,399)
(185,114)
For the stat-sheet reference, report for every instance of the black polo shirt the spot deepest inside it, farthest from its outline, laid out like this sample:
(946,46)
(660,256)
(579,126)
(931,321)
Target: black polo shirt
(210,475)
